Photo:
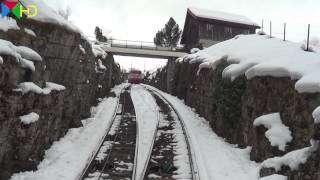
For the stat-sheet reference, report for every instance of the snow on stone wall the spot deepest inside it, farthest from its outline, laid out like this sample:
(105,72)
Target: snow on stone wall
(8,23)
(278,134)
(29,118)
(292,159)
(259,55)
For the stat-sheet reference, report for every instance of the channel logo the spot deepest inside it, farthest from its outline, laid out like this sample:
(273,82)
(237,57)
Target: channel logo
(18,9)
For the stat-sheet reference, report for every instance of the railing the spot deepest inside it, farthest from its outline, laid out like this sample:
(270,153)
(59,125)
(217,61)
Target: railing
(138,45)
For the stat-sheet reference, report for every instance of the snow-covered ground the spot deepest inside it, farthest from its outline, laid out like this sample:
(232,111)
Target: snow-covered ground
(215,158)
(147,116)
(68,157)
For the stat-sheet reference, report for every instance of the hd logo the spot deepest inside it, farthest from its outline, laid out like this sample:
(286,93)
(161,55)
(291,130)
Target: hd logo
(18,9)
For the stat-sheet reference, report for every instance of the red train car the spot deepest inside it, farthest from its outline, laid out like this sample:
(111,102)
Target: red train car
(135,76)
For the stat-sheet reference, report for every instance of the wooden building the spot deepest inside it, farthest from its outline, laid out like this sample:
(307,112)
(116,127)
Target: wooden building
(204,28)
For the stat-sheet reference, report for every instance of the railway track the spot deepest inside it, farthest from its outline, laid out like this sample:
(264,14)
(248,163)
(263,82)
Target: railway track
(116,154)
(181,146)
(170,157)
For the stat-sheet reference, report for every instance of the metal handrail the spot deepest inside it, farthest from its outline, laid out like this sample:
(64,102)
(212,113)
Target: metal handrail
(121,43)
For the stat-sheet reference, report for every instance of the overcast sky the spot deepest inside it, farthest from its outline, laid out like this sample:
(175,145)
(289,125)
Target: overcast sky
(141,19)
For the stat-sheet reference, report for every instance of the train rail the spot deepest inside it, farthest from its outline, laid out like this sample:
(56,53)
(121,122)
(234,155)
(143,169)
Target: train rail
(191,154)
(116,158)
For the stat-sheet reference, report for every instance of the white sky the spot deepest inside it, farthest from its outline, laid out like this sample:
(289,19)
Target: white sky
(141,19)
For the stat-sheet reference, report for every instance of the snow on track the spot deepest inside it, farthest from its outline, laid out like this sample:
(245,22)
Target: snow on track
(147,119)
(215,158)
(67,157)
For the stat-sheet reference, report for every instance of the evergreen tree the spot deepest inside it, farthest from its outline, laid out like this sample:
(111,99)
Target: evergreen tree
(99,35)
(169,35)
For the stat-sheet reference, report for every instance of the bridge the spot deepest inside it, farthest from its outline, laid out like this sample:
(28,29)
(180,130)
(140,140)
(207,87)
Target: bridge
(141,49)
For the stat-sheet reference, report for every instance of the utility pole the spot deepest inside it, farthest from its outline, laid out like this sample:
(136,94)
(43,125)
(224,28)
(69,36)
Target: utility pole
(270,29)
(308,37)
(284,31)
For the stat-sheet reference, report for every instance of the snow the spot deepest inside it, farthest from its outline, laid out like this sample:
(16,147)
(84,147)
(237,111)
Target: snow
(7,23)
(67,157)
(259,55)
(1,60)
(292,159)
(275,177)
(194,50)
(28,53)
(147,122)
(30,32)
(82,49)
(50,86)
(222,16)
(316,115)
(100,65)
(27,64)
(215,158)
(98,51)
(29,118)
(278,134)
(21,54)
(27,87)
(48,15)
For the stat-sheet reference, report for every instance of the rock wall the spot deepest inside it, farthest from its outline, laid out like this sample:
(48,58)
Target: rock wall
(65,63)
(232,107)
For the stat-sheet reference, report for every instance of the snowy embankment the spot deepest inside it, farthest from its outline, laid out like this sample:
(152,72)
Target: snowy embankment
(259,55)
(215,158)
(147,116)
(67,157)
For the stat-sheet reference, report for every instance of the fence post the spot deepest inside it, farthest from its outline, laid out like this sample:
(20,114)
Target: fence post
(262,25)
(126,43)
(141,44)
(284,31)
(308,37)
(270,29)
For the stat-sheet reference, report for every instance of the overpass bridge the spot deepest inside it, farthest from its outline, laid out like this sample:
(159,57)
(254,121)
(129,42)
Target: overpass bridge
(141,49)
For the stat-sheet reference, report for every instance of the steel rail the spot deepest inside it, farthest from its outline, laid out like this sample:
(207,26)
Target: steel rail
(192,159)
(96,151)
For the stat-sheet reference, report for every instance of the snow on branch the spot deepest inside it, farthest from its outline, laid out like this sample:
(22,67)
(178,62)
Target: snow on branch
(278,134)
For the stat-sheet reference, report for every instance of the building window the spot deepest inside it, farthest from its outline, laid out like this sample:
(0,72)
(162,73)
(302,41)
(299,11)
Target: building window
(228,32)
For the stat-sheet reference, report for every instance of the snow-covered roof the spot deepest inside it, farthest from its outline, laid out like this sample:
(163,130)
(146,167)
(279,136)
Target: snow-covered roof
(221,16)
(260,55)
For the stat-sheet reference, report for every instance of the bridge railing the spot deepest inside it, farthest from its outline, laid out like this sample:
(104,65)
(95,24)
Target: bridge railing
(139,45)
